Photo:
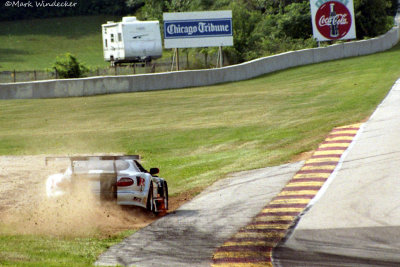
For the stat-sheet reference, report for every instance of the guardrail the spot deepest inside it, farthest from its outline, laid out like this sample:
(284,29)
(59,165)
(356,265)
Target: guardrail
(194,78)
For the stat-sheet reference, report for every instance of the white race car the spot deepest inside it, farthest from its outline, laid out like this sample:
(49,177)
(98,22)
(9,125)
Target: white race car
(121,178)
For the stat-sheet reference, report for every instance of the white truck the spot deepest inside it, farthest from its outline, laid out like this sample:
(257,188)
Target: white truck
(131,41)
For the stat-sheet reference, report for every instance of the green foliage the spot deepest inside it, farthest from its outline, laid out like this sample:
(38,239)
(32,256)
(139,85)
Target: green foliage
(371,17)
(68,66)
(261,27)
(153,10)
(244,21)
(286,31)
(296,21)
(265,27)
(179,5)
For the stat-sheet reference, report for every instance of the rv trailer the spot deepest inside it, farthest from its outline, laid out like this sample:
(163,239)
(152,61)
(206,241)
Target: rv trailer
(131,41)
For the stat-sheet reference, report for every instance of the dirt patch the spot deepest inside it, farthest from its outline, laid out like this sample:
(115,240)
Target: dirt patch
(303,156)
(26,209)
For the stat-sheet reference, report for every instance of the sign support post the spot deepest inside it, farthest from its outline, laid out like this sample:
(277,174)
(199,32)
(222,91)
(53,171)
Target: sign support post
(220,58)
(175,60)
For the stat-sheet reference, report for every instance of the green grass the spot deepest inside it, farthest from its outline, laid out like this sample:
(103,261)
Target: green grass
(198,135)
(194,135)
(26,250)
(27,45)
(35,44)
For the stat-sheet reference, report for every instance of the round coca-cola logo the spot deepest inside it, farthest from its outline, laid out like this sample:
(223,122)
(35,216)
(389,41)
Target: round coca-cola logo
(333,20)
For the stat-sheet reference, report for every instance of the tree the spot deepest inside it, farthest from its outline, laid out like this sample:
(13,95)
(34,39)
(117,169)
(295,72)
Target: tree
(244,23)
(371,17)
(296,21)
(68,66)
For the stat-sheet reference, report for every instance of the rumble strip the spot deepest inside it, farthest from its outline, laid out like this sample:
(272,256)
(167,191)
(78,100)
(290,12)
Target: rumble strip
(253,245)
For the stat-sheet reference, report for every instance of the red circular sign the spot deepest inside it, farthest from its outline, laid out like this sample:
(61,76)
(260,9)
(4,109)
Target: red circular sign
(333,20)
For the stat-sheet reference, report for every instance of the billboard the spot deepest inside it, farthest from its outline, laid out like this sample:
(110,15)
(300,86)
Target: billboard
(333,20)
(198,29)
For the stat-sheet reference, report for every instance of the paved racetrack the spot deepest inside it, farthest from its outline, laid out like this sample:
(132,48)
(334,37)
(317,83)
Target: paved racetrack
(357,221)
(189,236)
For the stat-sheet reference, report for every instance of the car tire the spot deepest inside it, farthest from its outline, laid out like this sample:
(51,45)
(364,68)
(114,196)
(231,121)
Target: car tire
(149,204)
(165,195)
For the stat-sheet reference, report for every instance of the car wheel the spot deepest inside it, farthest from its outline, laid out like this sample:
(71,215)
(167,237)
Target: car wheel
(165,195)
(149,204)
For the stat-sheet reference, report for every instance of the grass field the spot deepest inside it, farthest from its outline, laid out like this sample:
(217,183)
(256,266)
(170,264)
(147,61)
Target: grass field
(17,250)
(27,45)
(198,135)
(35,44)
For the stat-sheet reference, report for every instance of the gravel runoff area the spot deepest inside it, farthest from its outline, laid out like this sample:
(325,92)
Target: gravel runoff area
(189,235)
(26,209)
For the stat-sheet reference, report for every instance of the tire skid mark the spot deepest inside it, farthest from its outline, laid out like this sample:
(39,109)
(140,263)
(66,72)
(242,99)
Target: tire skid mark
(253,244)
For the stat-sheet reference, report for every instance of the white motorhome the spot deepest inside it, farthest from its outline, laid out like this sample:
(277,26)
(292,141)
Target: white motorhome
(131,41)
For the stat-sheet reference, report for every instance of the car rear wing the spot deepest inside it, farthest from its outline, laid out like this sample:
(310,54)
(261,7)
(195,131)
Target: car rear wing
(73,159)
(101,157)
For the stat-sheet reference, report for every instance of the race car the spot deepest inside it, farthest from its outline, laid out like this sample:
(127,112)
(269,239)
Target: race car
(121,178)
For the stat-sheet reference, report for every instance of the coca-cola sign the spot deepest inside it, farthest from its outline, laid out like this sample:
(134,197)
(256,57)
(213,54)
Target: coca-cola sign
(333,20)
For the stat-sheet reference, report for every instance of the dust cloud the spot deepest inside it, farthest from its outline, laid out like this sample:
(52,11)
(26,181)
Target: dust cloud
(26,209)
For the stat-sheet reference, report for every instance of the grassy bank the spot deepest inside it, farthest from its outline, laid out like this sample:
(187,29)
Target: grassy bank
(194,135)
(25,250)
(35,44)
(198,135)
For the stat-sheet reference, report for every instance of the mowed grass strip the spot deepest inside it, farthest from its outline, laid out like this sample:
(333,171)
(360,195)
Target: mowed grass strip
(35,44)
(194,135)
(198,135)
(27,45)
(26,250)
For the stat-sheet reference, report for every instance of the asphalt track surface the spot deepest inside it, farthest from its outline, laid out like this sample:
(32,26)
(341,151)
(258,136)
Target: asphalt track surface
(190,235)
(356,222)
(254,244)
(353,218)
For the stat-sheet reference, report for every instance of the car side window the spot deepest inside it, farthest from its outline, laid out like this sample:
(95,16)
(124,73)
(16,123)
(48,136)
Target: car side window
(140,166)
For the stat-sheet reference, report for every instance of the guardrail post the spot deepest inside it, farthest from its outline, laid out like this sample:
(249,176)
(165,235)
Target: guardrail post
(14,76)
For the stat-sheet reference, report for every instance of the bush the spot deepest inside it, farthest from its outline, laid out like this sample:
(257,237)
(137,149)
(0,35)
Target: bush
(69,67)
(371,17)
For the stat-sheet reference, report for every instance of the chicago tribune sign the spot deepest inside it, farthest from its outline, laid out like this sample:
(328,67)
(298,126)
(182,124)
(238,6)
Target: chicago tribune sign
(198,29)
(333,20)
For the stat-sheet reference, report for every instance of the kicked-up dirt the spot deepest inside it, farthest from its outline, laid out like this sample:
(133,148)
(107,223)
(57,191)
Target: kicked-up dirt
(26,209)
